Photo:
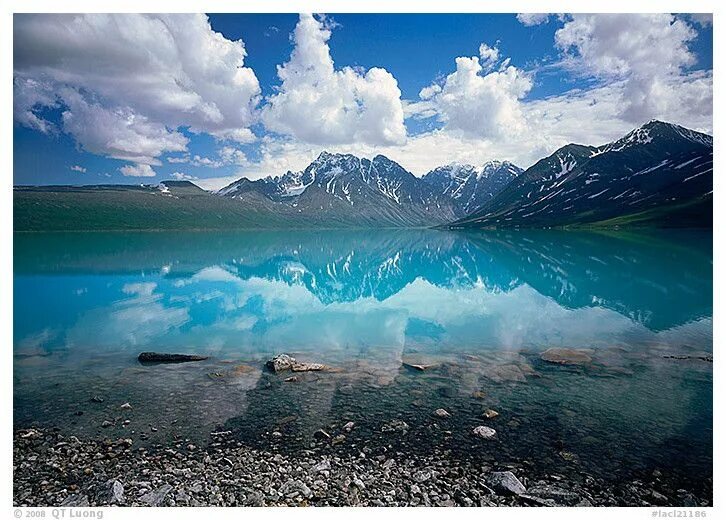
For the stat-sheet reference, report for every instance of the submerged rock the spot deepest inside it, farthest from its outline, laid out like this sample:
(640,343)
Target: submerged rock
(419,366)
(283,362)
(706,358)
(506,482)
(441,413)
(307,367)
(566,356)
(485,432)
(448,392)
(396,425)
(505,373)
(162,357)
(321,434)
(238,372)
(490,414)
(280,363)
(241,370)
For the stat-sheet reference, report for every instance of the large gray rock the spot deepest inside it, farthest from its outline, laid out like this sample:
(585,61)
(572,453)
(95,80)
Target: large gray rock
(281,362)
(566,356)
(155,497)
(292,487)
(111,493)
(76,501)
(307,367)
(485,432)
(505,482)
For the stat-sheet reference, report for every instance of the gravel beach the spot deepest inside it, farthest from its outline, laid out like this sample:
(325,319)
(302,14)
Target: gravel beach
(51,469)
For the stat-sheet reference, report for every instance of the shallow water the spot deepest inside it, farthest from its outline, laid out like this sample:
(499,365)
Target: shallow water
(481,307)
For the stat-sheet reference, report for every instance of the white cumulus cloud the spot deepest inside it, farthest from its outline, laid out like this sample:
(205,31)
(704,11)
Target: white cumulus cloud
(648,52)
(117,132)
(181,176)
(478,101)
(137,170)
(318,104)
(489,55)
(127,82)
(531,19)
(232,155)
(703,19)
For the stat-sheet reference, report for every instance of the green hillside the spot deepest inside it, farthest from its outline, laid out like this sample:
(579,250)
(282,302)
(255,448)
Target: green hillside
(93,208)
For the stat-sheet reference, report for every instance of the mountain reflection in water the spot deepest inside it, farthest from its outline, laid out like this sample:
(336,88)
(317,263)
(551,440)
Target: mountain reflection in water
(481,306)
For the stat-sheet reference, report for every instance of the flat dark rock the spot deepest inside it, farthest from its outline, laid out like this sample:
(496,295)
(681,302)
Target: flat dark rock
(566,356)
(161,357)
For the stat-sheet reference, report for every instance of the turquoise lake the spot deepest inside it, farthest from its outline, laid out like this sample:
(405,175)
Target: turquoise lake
(480,307)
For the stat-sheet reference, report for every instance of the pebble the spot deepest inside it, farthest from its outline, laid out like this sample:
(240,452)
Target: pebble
(485,432)
(490,414)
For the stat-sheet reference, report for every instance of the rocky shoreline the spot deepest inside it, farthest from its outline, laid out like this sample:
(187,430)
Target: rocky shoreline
(52,469)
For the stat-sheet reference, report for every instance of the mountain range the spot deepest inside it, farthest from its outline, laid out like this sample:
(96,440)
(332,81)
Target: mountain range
(341,188)
(660,174)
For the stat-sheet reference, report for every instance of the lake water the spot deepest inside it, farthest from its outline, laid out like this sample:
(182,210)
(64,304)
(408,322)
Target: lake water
(481,307)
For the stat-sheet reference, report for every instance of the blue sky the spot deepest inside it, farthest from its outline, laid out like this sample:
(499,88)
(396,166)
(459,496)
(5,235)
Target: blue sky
(141,98)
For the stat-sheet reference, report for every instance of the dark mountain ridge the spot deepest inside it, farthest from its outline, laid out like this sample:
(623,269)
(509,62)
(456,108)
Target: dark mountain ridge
(649,173)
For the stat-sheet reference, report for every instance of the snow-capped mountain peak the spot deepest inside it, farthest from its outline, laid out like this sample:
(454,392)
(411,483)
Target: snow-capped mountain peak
(654,166)
(471,186)
(654,129)
(494,167)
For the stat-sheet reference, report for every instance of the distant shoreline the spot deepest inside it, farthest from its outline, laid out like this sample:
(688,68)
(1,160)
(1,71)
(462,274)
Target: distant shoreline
(580,227)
